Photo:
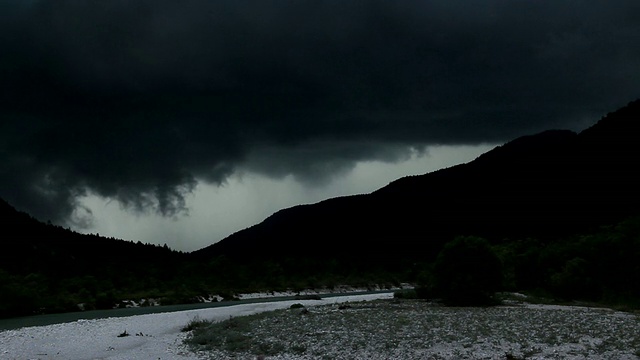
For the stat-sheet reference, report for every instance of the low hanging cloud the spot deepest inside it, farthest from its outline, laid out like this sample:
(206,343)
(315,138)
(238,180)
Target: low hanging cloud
(138,100)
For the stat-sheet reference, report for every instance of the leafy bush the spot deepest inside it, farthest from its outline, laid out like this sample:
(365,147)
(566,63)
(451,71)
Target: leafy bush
(405,294)
(467,272)
(230,335)
(573,280)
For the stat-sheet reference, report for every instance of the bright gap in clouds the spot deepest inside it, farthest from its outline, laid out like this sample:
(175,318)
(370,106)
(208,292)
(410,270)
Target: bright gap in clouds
(216,212)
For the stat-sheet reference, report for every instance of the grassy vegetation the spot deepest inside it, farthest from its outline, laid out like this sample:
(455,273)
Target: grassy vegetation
(195,323)
(232,335)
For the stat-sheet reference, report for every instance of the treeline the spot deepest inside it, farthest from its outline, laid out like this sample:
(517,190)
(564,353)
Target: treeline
(82,272)
(600,266)
(49,269)
(174,280)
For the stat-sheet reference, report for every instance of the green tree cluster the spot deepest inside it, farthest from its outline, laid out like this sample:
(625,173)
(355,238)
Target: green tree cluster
(467,272)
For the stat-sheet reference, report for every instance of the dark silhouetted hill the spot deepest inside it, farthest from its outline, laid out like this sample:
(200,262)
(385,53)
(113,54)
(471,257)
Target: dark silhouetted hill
(48,269)
(546,185)
(29,245)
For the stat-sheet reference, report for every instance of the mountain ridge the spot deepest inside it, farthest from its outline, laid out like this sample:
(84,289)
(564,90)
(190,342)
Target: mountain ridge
(569,177)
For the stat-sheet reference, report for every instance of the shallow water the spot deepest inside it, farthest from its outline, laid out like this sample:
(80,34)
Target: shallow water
(49,319)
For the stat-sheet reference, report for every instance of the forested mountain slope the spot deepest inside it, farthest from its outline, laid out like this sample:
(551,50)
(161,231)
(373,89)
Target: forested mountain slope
(545,185)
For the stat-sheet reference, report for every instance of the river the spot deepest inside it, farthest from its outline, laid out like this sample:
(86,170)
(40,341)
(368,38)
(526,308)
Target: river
(49,319)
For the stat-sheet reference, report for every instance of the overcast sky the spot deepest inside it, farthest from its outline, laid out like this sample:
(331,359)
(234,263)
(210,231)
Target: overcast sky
(182,122)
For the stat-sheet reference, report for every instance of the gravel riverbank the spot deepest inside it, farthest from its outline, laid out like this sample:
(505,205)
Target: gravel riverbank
(373,326)
(150,336)
(411,329)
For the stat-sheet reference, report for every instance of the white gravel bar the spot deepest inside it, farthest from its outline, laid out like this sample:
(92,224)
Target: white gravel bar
(362,328)
(152,336)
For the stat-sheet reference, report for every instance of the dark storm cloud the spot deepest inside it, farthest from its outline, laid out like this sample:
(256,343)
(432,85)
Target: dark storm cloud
(136,100)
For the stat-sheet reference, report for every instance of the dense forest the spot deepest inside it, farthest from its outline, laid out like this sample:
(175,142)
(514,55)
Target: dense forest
(46,269)
(600,266)
(555,214)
